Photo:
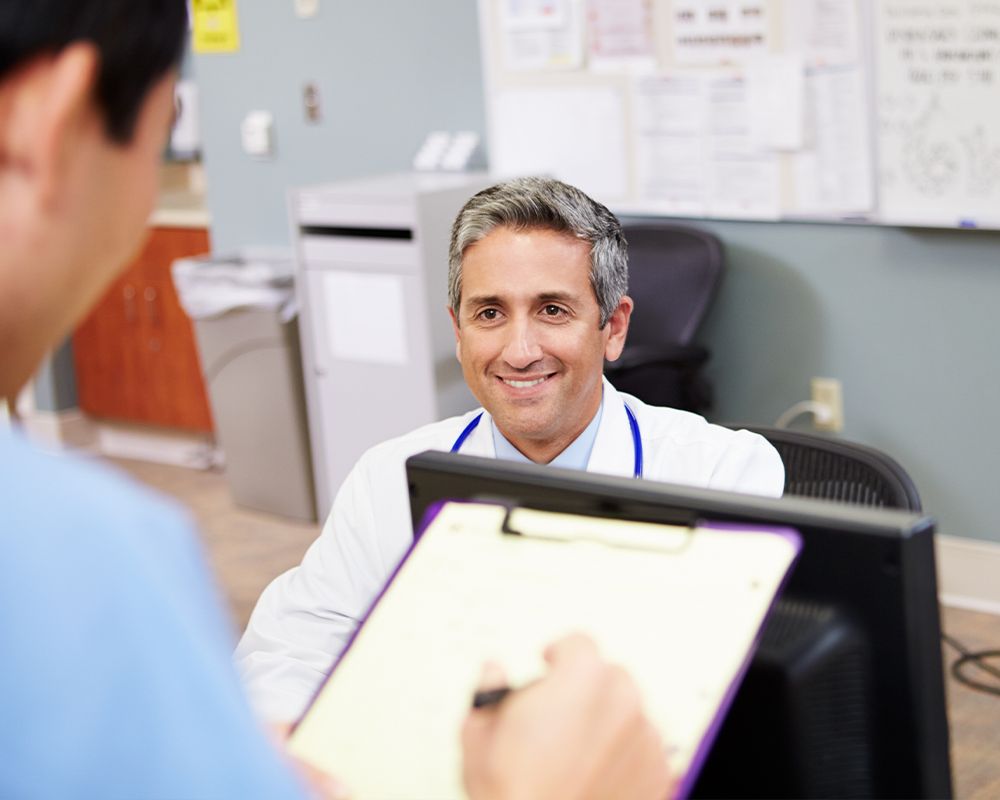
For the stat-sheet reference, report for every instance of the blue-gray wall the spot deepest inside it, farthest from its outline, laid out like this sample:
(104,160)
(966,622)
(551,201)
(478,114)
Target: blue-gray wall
(903,318)
(388,73)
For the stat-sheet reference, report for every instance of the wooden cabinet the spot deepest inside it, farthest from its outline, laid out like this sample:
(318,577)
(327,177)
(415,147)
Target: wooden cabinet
(136,358)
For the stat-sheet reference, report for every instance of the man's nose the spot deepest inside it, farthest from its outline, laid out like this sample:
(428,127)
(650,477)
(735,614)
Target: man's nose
(522,348)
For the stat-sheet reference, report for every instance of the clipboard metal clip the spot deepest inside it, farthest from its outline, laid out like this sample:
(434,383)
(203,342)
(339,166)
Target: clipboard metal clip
(569,528)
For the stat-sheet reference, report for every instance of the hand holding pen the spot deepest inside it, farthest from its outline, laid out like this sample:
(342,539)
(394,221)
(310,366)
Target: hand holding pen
(578,732)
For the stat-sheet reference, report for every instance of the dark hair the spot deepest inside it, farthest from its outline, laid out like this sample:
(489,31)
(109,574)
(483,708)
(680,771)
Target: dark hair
(138,42)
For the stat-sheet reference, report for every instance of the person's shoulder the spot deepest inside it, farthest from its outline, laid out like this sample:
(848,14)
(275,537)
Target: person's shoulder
(711,455)
(56,495)
(681,427)
(670,430)
(438,435)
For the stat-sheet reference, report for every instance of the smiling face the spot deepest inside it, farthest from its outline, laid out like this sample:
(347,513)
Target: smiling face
(528,336)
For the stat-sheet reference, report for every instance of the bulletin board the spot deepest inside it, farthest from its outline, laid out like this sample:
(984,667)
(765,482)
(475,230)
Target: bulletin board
(882,111)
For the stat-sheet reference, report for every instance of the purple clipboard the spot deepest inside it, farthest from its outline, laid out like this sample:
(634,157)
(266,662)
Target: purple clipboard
(686,782)
(432,512)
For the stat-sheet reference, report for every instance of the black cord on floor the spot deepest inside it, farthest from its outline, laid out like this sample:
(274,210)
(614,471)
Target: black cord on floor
(967,658)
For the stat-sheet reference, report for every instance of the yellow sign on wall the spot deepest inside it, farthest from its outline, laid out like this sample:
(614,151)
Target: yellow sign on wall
(215,27)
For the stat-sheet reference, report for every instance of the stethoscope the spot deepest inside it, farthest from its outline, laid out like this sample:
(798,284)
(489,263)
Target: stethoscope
(633,424)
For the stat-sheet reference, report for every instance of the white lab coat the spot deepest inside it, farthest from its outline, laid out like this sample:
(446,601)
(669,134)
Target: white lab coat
(305,616)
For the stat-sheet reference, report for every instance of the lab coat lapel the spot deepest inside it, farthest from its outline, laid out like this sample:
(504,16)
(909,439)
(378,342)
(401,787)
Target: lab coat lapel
(480,441)
(613,452)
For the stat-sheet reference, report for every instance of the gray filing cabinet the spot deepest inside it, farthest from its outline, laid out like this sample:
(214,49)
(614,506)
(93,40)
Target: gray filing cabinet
(377,344)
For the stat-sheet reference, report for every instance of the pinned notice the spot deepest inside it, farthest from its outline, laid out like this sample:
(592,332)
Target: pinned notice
(216,29)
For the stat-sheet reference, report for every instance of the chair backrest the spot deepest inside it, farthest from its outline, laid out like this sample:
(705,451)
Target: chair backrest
(832,469)
(674,273)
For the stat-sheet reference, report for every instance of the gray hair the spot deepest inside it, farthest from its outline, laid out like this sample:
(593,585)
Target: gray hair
(525,203)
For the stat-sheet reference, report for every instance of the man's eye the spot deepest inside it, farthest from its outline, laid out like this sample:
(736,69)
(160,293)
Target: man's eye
(553,311)
(488,314)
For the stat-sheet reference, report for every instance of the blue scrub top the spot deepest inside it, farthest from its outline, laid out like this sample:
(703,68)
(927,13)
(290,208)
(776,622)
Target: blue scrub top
(115,671)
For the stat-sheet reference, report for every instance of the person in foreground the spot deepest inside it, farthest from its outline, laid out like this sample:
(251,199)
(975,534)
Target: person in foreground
(116,678)
(538,274)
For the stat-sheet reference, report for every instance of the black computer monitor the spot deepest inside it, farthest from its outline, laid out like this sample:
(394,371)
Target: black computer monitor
(845,696)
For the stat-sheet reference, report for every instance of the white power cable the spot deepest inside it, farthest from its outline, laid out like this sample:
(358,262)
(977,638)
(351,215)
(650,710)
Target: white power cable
(821,411)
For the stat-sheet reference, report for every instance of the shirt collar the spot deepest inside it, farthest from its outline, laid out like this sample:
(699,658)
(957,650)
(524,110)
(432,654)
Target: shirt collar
(575,456)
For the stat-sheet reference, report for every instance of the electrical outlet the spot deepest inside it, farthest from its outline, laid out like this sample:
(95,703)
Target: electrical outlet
(310,103)
(828,392)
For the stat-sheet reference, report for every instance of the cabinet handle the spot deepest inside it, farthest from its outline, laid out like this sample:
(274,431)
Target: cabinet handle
(151,306)
(128,299)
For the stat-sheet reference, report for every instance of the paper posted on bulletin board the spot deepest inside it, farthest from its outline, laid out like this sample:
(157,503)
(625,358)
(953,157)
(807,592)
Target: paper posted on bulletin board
(751,109)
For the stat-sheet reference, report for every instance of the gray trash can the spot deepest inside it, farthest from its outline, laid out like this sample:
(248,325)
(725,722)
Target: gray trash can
(244,314)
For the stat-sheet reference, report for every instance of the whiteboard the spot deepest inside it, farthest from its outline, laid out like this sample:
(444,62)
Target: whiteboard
(881,111)
(939,112)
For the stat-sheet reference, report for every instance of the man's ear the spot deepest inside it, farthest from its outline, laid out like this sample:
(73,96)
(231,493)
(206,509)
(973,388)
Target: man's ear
(458,333)
(618,329)
(45,106)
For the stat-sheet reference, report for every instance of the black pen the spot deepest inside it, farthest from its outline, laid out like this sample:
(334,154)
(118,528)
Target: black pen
(490,697)
(487,698)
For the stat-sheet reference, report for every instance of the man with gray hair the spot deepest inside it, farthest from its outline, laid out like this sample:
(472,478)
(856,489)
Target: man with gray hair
(537,278)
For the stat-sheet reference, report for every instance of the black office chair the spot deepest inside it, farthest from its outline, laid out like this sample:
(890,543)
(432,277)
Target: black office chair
(674,273)
(832,469)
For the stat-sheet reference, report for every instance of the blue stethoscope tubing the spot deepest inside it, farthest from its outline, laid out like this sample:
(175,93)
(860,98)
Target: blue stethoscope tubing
(633,425)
